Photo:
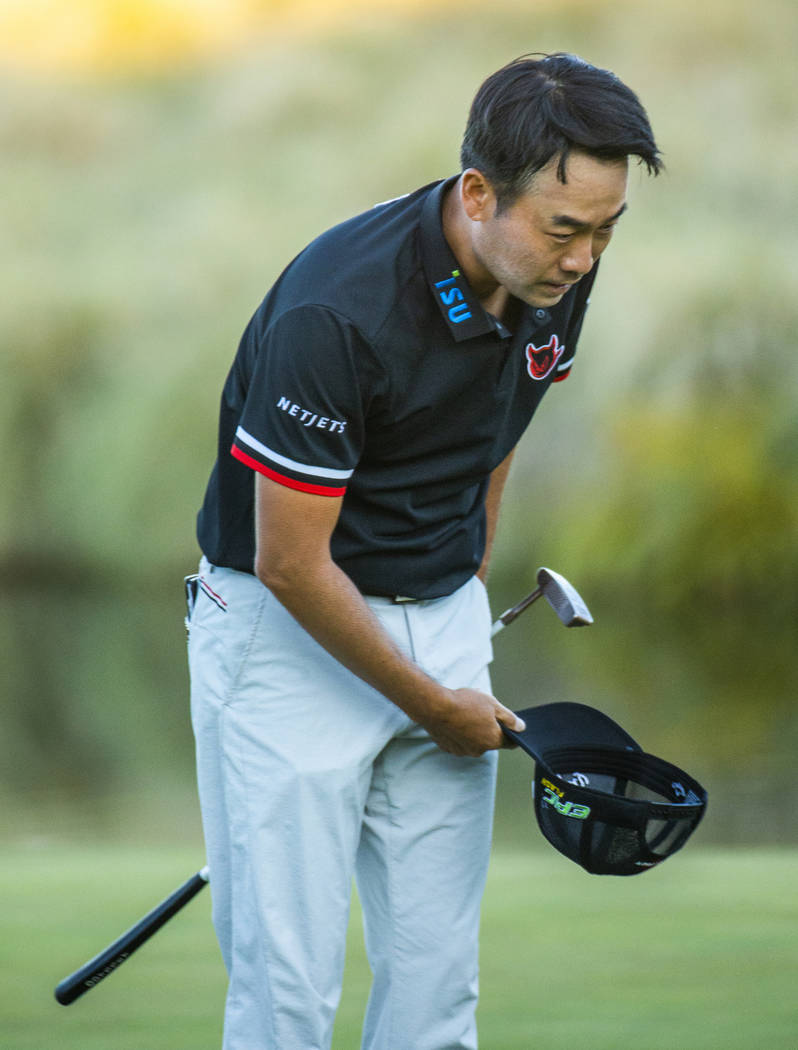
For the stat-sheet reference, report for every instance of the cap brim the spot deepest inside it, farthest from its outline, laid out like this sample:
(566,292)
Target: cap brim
(566,724)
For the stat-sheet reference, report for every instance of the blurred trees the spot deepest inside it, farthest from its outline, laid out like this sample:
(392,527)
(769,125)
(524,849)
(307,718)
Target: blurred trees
(143,220)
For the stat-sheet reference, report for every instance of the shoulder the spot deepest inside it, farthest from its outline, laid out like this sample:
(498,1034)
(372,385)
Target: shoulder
(358,269)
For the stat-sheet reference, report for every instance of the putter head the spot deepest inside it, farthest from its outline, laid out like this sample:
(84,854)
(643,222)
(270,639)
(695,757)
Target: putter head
(564,599)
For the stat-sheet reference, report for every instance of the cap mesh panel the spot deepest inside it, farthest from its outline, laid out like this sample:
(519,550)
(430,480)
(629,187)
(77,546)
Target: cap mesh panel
(615,812)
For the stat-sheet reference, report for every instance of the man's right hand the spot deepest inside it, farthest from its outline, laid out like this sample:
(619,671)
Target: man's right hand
(471,723)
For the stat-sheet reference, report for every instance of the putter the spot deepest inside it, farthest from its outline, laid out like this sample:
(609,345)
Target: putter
(571,611)
(561,596)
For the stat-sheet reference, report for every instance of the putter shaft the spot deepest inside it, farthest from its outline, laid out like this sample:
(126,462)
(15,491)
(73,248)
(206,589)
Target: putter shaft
(510,614)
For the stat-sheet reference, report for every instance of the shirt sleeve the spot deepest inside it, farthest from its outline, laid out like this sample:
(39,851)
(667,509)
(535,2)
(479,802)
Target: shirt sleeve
(575,325)
(302,424)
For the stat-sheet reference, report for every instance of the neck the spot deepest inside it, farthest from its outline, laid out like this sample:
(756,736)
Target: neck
(457,231)
(497,303)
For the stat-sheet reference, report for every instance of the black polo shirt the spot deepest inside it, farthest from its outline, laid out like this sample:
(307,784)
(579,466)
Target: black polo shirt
(370,371)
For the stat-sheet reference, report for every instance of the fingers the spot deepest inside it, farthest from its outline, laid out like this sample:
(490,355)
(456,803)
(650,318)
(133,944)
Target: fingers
(506,717)
(474,725)
(509,718)
(471,723)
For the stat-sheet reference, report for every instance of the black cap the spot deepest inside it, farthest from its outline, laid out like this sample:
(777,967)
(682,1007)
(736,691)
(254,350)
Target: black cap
(599,798)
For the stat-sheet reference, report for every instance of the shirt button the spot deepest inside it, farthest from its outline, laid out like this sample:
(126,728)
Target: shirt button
(540,315)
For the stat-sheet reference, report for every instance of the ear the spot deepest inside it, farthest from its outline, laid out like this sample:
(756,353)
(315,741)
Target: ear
(477,195)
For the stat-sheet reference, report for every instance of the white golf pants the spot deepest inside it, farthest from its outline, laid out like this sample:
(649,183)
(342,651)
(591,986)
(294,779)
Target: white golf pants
(308,777)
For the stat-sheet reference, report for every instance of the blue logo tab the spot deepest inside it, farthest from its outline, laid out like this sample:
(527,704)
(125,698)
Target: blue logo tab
(453,298)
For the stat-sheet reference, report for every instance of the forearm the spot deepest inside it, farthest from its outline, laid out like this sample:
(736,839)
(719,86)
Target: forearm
(292,534)
(493,500)
(323,599)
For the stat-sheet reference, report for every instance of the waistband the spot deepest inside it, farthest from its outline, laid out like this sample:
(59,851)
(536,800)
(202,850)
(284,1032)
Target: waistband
(380,599)
(397,599)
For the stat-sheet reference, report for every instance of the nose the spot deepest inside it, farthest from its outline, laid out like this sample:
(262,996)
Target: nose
(579,257)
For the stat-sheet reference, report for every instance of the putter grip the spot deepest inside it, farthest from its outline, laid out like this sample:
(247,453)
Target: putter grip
(98,968)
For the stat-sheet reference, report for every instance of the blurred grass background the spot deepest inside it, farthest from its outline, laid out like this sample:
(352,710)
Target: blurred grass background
(162,163)
(666,962)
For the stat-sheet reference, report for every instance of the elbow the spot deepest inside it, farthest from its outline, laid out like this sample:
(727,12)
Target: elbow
(287,573)
(273,572)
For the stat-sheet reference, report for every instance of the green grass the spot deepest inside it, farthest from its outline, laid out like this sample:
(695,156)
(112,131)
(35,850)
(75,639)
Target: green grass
(700,954)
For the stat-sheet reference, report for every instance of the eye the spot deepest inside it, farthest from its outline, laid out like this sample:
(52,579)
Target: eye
(561,238)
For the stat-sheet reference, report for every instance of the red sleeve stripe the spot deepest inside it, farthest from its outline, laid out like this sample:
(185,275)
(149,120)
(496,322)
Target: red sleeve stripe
(563,370)
(248,442)
(290,483)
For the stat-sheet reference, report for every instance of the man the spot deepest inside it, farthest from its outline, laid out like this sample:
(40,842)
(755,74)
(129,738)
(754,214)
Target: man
(339,647)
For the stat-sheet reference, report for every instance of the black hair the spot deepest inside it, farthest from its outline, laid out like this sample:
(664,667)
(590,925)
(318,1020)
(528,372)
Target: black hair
(543,106)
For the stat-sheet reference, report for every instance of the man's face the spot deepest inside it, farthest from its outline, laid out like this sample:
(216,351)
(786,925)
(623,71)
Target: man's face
(554,232)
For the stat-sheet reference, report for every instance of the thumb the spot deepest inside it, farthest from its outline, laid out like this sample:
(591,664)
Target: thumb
(509,718)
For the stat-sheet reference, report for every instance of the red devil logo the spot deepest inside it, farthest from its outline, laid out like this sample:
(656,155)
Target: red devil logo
(542,359)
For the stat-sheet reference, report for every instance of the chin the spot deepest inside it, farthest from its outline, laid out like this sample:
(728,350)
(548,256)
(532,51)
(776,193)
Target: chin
(543,298)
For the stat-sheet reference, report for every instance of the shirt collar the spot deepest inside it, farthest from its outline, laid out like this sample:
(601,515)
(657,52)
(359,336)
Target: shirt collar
(459,306)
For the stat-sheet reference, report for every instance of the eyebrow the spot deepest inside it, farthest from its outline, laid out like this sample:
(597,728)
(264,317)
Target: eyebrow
(577,224)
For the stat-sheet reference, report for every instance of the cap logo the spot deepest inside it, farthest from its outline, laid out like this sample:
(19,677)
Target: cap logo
(540,360)
(579,780)
(568,809)
(689,797)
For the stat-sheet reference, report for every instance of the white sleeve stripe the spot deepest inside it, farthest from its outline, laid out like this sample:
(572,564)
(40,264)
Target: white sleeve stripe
(566,364)
(291,464)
